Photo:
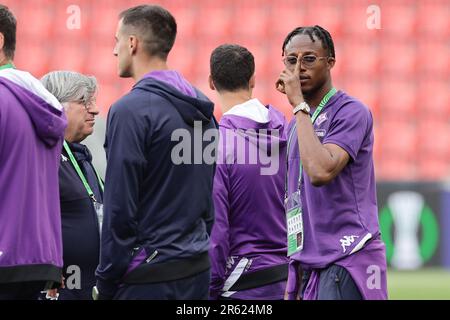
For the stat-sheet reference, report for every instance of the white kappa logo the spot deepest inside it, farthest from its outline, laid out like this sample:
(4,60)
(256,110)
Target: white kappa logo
(321,118)
(347,241)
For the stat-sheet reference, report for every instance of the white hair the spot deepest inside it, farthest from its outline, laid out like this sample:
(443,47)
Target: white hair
(69,86)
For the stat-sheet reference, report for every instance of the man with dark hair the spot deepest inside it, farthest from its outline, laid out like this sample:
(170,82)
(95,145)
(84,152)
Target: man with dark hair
(158,212)
(32,127)
(331,196)
(248,240)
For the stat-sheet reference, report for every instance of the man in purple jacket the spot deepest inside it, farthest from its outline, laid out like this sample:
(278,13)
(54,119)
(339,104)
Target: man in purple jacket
(31,133)
(330,202)
(248,239)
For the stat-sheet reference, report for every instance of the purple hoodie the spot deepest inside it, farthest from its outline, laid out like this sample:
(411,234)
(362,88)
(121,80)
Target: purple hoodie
(249,232)
(32,127)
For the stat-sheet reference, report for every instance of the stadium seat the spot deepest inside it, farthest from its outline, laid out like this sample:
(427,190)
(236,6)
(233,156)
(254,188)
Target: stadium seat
(398,58)
(283,18)
(399,19)
(250,21)
(433,98)
(397,98)
(361,58)
(186,21)
(434,138)
(214,22)
(433,169)
(201,59)
(397,139)
(104,53)
(106,18)
(36,18)
(395,169)
(182,58)
(36,63)
(433,58)
(109,92)
(433,21)
(69,56)
(327,14)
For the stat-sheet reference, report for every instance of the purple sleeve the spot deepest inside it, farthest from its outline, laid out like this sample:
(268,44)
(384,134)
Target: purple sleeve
(219,248)
(351,124)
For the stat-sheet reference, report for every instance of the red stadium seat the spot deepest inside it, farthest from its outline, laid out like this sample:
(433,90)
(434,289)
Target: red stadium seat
(214,22)
(433,98)
(398,58)
(360,58)
(33,57)
(433,21)
(106,18)
(201,60)
(35,20)
(284,17)
(395,169)
(183,58)
(397,139)
(399,19)
(431,168)
(109,92)
(433,58)
(397,98)
(250,21)
(186,21)
(69,56)
(434,138)
(101,61)
(327,14)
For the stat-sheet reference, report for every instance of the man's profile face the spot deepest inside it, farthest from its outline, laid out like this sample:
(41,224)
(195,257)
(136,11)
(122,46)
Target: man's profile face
(313,75)
(80,119)
(122,52)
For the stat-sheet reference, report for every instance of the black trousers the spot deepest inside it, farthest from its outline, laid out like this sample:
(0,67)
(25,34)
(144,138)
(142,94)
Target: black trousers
(21,290)
(335,283)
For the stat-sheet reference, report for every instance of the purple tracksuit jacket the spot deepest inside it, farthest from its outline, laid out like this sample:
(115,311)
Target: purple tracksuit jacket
(249,232)
(32,126)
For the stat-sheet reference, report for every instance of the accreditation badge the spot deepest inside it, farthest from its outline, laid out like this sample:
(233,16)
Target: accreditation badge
(99,210)
(294,218)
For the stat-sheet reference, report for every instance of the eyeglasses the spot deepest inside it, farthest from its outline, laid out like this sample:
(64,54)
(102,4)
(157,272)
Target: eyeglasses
(88,105)
(308,61)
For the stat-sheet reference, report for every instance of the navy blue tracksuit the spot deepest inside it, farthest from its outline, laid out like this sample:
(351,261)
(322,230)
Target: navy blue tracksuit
(156,212)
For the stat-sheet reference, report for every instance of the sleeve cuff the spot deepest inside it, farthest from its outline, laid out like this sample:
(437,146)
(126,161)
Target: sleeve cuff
(106,289)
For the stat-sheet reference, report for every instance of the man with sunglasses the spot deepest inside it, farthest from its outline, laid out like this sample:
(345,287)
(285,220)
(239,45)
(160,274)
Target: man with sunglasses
(330,199)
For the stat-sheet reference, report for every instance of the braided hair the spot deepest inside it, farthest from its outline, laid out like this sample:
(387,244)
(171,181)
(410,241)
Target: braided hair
(318,31)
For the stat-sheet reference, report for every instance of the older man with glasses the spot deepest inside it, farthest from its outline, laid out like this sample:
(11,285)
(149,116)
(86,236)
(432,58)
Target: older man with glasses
(81,188)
